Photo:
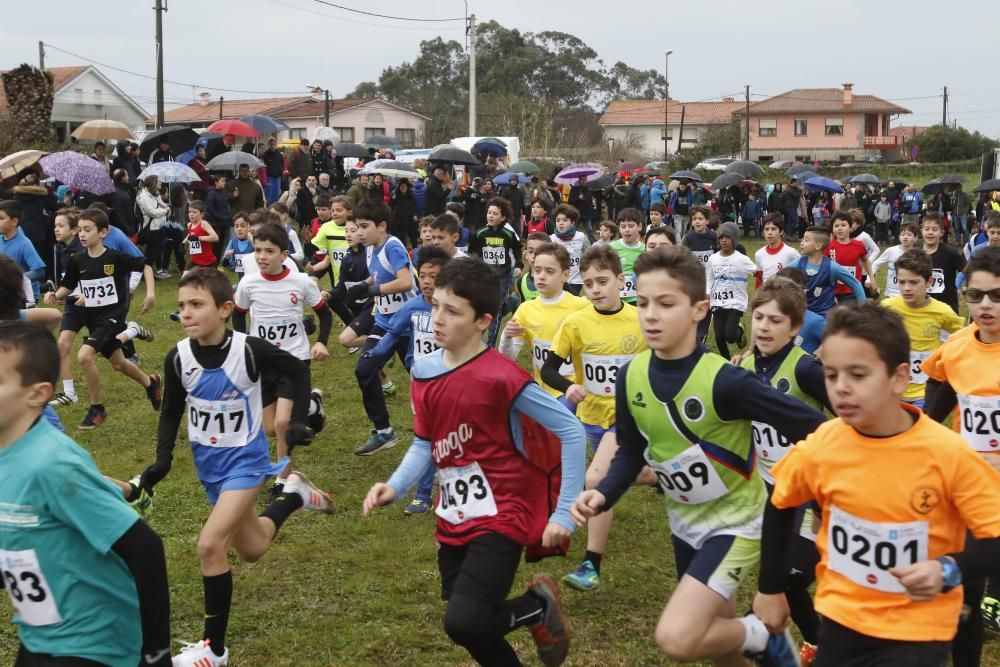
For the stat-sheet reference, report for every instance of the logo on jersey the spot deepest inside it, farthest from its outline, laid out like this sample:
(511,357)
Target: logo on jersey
(294,298)
(630,344)
(638,400)
(109,269)
(694,409)
(783,385)
(924,499)
(452,443)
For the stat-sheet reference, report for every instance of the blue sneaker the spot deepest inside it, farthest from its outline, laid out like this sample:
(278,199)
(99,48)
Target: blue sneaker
(781,651)
(584,578)
(416,506)
(376,442)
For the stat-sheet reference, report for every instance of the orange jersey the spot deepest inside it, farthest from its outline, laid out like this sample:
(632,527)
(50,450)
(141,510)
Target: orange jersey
(972,368)
(888,502)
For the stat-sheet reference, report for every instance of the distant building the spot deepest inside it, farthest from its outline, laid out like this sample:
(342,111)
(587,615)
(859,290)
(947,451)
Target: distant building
(809,124)
(645,124)
(83,93)
(355,119)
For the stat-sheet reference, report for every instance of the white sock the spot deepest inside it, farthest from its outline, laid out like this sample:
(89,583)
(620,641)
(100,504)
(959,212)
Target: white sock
(130,333)
(757,635)
(385,431)
(313,407)
(387,384)
(280,480)
(68,388)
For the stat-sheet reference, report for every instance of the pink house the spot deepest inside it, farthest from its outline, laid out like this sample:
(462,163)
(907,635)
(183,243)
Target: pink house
(809,124)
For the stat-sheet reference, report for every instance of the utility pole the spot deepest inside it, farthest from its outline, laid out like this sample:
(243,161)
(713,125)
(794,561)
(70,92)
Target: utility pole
(326,107)
(220,106)
(666,105)
(746,152)
(41,55)
(680,133)
(944,108)
(471,31)
(159,9)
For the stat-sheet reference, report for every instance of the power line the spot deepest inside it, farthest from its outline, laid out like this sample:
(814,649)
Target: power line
(346,20)
(386,16)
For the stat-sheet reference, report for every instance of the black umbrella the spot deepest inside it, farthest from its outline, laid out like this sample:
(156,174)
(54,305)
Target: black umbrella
(601,182)
(951,179)
(745,168)
(865,178)
(452,155)
(381,141)
(804,176)
(351,150)
(991,185)
(685,174)
(232,160)
(933,186)
(180,137)
(797,169)
(727,181)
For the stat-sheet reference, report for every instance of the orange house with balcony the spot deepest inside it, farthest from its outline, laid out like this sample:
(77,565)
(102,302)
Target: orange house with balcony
(808,124)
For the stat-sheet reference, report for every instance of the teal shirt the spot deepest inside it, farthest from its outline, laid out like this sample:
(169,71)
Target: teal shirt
(59,518)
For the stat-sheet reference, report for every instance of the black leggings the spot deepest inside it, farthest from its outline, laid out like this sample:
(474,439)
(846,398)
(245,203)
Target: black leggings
(26,658)
(967,647)
(839,646)
(727,328)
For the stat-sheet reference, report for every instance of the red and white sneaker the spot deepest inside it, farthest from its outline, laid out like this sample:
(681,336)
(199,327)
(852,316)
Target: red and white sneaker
(199,655)
(312,497)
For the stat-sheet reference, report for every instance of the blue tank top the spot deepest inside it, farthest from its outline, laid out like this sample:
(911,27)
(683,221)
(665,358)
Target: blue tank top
(819,286)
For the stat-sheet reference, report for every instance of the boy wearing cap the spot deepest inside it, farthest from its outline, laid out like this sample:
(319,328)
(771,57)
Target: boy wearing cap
(727,273)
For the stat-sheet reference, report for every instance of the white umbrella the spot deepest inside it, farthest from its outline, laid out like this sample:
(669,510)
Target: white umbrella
(323,133)
(15,163)
(97,130)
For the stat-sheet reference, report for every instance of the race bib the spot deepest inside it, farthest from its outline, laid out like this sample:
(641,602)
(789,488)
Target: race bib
(771,447)
(387,304)
(917,376)
(689,477)
(937,282)
(865,551)
(702,256)
(218,423)
(980,421)
(245,262)
(464,494)
(194,246)
(99,292)
(27,588)
(628,292)
(495,255)
(723,297)
(279,331)
(337,255)
(423,343)
(540,352)
(600,371)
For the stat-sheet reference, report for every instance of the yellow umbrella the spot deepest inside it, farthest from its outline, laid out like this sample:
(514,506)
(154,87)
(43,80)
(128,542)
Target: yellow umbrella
(94,130)
(15,163)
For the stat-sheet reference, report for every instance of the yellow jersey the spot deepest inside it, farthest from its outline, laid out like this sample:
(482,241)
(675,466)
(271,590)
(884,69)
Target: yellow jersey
(331,238)
(924,326)
(599,344)
(541,319)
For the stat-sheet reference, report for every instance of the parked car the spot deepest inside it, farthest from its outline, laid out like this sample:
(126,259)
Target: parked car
(715,163)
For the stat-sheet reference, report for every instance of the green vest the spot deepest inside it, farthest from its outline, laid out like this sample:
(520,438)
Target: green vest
(526,292)
(705,464)
(784,379)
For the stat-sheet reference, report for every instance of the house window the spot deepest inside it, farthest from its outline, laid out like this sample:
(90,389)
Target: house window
(374,116)
(847,158)
(297,133)
(346,134)
(765,158)
(767,128)
(98,100)
(801,127)
(834,127)
(666,133)
(79,95)
(406,137)
(372,131)
(803,158)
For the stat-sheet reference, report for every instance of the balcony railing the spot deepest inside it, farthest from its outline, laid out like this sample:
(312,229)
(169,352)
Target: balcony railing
(887,141)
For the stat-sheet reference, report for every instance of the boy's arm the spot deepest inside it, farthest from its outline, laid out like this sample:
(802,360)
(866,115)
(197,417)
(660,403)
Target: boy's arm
(171,411)
(940,399)
(211,236)
(400,326)
(843,275)
(141,549)
(147,275)
(629,458)
(417,458)
(291,376)
(739,394)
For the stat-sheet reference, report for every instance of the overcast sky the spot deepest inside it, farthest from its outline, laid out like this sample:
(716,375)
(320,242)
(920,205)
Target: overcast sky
(896,49)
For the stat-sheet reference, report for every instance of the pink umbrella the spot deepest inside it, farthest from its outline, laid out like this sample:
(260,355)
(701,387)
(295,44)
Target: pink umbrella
(233,126)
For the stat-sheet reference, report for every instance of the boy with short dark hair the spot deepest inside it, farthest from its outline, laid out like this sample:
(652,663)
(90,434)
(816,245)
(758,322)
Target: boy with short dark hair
(330,237)
(445,234)
(658,237)
(728,270)
(526,284)
(823,273)
(848,252)
(239,250)
(200,237)
(494,498)
(810,335)
(629,246)
(775,255)
(575,242)
(892,533)
(948,262)
(499,246)
(16,245)
(908,233)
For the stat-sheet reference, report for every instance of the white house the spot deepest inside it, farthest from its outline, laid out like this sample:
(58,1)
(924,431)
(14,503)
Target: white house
(645,126)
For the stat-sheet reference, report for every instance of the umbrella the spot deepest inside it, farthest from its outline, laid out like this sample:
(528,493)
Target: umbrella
(803,176)
(823,183)
(98,130)
(797,169)
(170,172)
(78,171)
(449,153)
(324,133)
(989,186)
(933,186)
(601,182)
(391,168)
(525,167)
(490,146)
(727,181)
(212,141)
(381,141)
(351,150)
(508,176)
(685,174)
(264,124)
(745,168)
(180,137)
(232,160)
(573,173)
(627,166)
(15,163)
(951,179)
(865,178)
(234,127)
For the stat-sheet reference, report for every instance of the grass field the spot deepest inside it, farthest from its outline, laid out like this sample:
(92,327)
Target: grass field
(344,590)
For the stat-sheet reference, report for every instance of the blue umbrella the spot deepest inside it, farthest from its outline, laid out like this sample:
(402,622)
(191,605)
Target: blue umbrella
(490,146)
(823,183)
(264,124)
(508,176)
(77,171)
(170,172)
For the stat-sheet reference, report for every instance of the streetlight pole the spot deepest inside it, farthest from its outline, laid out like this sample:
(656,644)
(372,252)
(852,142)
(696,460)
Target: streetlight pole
(666,106)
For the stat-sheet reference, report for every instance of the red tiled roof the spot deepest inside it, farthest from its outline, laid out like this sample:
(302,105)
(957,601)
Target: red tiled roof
(60,77)
(199,112)
(316,107)
(819,100)
(650,112)
(907,132)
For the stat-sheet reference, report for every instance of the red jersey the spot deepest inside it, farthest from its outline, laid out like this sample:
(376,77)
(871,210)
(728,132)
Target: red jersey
(202,253)
(531,225)
(487,485)
(848,255)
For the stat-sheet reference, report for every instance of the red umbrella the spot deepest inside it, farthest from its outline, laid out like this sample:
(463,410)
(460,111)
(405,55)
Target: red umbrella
(233,126)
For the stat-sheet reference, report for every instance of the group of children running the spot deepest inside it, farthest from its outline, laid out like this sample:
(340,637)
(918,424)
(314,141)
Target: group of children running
(886,510)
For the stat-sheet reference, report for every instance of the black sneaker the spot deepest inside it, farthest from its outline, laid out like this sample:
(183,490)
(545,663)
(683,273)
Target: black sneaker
(141,332)
(94,418)
(154,392)
(276,490)
(175,316)
(317,420)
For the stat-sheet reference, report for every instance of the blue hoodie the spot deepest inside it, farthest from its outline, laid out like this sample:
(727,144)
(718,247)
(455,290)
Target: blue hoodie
(644,193)
(420,195)
(658,192)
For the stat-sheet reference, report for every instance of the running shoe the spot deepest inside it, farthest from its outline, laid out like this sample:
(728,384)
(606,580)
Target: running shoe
(161,274)
(550,634)
(991,613)
(312,497)
(95,417)
(141,332)
(416,506)
(199,655)
(61,399)
(154,392)
(317,420)
(377,442)
(389,389)
(143,502)
(276,490)
(807,654)
(781,651)
(175,316)
(353,350)
(742,340)
(584,578)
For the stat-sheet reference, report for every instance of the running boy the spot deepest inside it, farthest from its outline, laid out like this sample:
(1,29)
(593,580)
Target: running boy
(200,237)
(575,242)
(688,414)
(629,246)
(847,252)
(823,273)
(893,530)
(947,261)
(494,500)
(330,237)
(499,246)
(907,240)
(445,232)
(727,289)
(16,245)
(526,289)
(774,256)
(102,274)
(239,250)
(215,378)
